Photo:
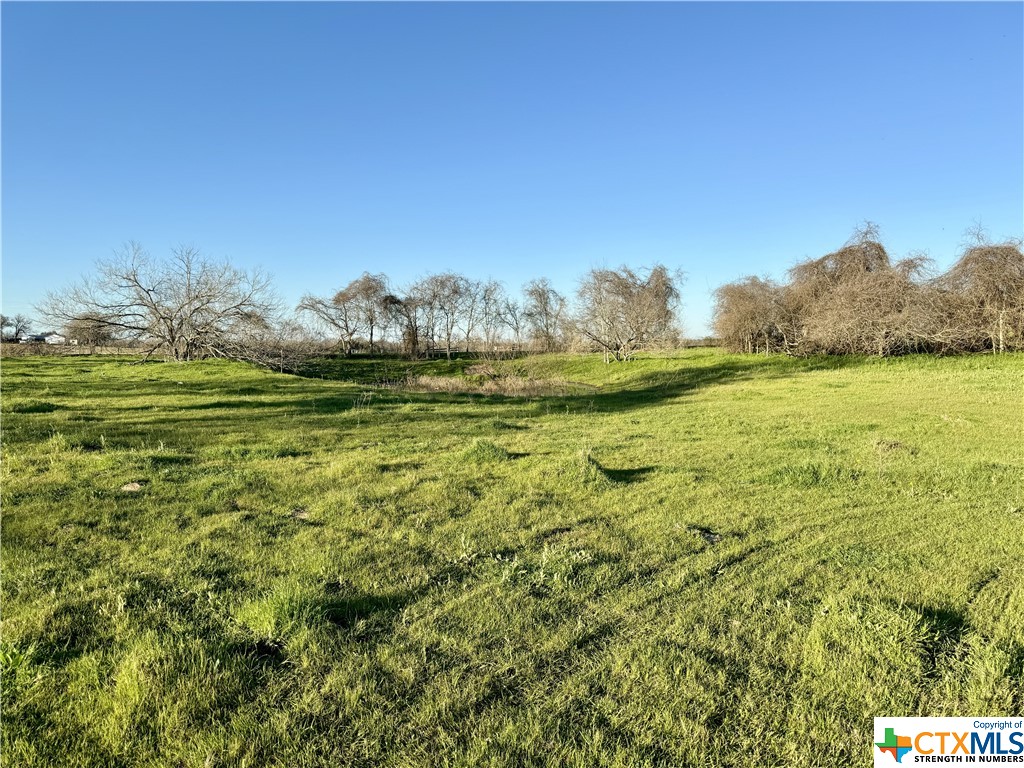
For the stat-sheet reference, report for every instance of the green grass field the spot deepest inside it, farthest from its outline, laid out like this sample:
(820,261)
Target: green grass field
(705,558)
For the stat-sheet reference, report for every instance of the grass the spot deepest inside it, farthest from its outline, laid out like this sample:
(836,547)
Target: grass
(687,559)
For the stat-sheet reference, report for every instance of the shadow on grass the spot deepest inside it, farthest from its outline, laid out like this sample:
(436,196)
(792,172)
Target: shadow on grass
(345,611)
(945,631)
(659,386)
(360,615)
(639,391)
(627,476)
(382,370)
(207,410)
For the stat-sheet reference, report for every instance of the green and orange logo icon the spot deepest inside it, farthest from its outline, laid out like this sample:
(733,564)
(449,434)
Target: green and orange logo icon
(895,745)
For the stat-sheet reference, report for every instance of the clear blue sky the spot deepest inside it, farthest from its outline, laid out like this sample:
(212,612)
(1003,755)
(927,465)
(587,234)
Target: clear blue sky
(503,140)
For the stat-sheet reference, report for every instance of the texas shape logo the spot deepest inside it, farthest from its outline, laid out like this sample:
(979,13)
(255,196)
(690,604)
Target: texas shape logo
(895,745)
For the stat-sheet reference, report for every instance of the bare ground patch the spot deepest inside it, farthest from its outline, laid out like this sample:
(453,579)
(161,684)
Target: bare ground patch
(508,386)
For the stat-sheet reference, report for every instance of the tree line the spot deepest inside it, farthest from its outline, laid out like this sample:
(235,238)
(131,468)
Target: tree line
(188,306)
(857,300)
(617,312)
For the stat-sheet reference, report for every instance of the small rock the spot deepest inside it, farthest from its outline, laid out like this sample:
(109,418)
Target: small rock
(132,486)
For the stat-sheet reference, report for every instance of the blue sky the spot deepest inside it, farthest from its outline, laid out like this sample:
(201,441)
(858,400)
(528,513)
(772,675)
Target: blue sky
(503,140)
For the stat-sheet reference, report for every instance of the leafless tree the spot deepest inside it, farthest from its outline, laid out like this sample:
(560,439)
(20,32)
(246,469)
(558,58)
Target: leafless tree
(513,318)
(284,345)
(19,325)
(753,314)
(339,315)
(544,310)
(89,332)
(443,298)
(622,311)
(472,309)
(987,282)
(187,305)
(368,292)
(493,303)
(404,313)
(422,297)
(872,312)
(815,279)
(856,301)
(353,312)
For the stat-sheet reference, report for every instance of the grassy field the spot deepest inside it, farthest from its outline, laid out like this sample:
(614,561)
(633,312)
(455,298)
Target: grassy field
(713,559)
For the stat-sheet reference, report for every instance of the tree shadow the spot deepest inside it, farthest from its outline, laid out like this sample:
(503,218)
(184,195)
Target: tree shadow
(659,386)
(224,408)
(945,631)
(346,610)
(627,476)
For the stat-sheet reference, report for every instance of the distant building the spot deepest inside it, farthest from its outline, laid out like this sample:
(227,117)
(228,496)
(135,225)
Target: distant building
(44,338)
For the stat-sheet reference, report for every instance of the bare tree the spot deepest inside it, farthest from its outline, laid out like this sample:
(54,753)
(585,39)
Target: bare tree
(442,297)
(513,317)
(873,313)
(368,292)
(544,311)
(186,305)
(284,345)
(355,311)
(89,332)
(815,279)
(472,309)
(405,314)
(19,325)
(622,311)
(421,297)
(337,315)
(856,301)
(988,282)
(751,314)
(492,306)
(853,300)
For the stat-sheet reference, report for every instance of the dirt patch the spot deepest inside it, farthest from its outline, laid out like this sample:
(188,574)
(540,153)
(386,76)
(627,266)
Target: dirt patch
(709,536)
(884,445)
(508,386)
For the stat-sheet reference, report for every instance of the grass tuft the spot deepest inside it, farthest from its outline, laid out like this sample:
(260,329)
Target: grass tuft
(584,470)
(482,450)
(810,475)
